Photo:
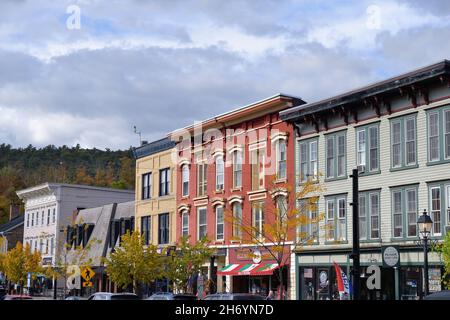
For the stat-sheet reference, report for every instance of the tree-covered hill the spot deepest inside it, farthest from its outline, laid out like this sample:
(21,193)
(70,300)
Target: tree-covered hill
(24,167)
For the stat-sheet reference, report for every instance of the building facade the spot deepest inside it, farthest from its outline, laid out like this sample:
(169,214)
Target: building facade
(397,133)
(50,207)
(225,167)
(156,187)
(97,231)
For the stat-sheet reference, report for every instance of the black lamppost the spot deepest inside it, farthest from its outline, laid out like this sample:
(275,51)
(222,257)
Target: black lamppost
(424,224)
(355,255)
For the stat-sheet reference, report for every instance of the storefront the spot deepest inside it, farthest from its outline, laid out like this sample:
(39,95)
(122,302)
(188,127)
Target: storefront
(316,275)
(254,275)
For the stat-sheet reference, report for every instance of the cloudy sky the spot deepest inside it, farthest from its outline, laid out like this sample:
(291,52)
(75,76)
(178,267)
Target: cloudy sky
(161,65)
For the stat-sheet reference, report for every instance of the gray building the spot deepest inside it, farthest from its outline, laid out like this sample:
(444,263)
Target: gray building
(397,132)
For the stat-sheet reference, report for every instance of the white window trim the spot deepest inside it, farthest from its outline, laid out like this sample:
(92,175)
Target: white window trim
(198,221)
(183,166)
(406,141)
(444,113)
(234,158)
(217,224)
(363,152)
(216,157)
(183,214)
(431,209)
(429,137)
(399,122)
(277,154)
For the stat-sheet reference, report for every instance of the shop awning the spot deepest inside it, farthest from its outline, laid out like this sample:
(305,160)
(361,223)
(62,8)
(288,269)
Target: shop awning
(249,269)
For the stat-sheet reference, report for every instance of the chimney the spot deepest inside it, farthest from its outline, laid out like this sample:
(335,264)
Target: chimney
(14,211)
(144,142)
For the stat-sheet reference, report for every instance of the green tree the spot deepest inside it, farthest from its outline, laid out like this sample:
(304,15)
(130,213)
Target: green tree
(445,252)
(132,263)
(184,262)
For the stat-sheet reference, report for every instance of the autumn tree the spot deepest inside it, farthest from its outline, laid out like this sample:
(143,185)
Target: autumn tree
(286,221)
(132,263)
(20,261)
(185,261)
(444,250)
(82,177)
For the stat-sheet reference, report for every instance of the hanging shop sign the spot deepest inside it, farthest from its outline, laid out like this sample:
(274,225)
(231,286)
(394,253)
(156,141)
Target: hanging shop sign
(391,256)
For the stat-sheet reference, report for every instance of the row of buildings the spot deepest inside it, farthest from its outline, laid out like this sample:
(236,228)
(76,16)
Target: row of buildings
(396,132)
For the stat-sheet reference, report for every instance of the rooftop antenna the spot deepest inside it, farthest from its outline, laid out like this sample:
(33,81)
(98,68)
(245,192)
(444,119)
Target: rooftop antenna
(138,133)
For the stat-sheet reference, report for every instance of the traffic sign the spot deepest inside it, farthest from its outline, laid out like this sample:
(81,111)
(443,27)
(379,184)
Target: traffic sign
(87,274)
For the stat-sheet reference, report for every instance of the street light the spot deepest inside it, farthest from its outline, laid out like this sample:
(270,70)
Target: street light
(424,224)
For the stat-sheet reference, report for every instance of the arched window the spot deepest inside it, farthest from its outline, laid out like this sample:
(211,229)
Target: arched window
(219,223)
(237,220)
(185,223)
(237,169)
(185,180)
(219,173)
(281,159)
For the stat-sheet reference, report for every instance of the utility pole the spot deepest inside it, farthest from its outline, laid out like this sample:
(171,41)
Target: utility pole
(355,253)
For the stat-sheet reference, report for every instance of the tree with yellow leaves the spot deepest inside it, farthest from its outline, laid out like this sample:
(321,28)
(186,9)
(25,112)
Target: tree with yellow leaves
(20,261)
(286,222)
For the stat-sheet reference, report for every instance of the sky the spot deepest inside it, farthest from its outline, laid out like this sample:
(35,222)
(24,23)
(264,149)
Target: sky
(87,71)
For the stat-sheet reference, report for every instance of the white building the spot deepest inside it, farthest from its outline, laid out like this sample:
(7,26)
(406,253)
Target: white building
(49,208)
(398,132)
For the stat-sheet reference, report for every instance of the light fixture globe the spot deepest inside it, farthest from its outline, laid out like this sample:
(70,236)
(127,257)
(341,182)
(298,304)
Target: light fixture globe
(424,223)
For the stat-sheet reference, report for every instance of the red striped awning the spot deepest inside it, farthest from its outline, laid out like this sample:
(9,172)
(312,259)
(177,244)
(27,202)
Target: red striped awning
(248,269)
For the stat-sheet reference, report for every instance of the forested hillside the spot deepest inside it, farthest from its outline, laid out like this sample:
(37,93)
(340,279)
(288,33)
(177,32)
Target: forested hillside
(25,167)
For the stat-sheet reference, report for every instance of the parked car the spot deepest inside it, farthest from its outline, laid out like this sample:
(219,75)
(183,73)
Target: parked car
(171,296)
(17,297)
(234,296)
(113,296)
(441,295)
(75,298)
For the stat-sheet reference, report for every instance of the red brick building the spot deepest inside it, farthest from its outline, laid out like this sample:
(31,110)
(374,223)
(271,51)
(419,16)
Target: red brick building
(226,165)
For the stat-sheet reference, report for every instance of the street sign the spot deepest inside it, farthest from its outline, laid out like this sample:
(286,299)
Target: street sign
(391,256)
(87,274)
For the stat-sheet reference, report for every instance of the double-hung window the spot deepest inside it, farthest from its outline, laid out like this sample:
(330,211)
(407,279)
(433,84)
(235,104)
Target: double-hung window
(202,169)
(185,180)
(42,218)
(237,169)
(185,223)
(146,227)
(258,219)
(220,167)
(404,212)
(336,218)
(28,220)
(281,159)
(164,182)
(369,215)
(219,223)
(403,142)
(308,153)
(309,228)
(163,228)
(438,121)
(435,197)
(54,215)
(237,220)
(201,223)
(48,217)
(257,163)
(367,147)
(439,207)
(146,186)
(335,155)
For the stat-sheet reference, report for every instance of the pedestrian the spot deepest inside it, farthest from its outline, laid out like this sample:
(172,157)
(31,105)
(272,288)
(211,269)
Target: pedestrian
(271,295)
